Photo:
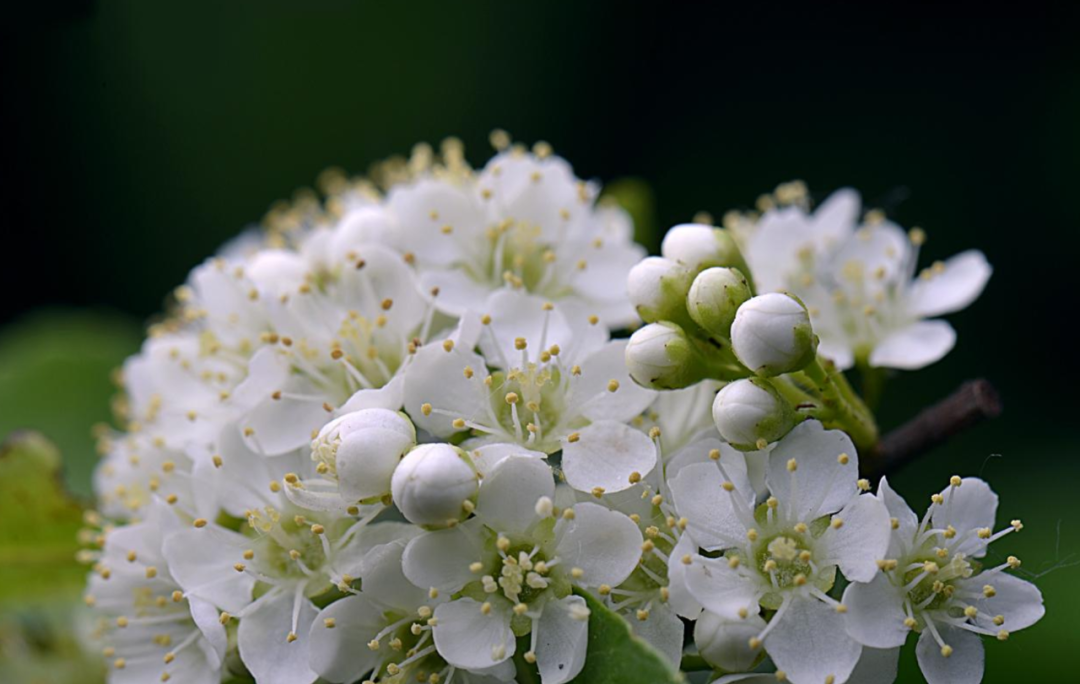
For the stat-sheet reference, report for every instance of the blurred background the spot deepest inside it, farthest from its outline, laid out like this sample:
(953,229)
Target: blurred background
(141,135)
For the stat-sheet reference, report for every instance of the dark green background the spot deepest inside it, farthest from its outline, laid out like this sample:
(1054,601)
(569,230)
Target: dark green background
(140,135)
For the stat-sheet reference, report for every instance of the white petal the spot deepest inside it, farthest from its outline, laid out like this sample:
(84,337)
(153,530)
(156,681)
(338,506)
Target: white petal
(437,377)
(862,540)
(487,457)
(606,454)
(339,654)
(467,638)
(726,643)
(604,278)
(515,314)
(709,508)
(441,559)
(202,560)
(721,590)
(834,219)
(414,205)
(1020,602)
(208,621)
(458,292)
(971,506)
(384,581)
(681,600)
(916,346)
(964,666)
(663,630)
(875,613)
(839,351)
(390,396)
(562,640)
(810,643)
(907,521)
(876,666)
(958,285)
(283,425)
(597,371)
(820,483)
(508,496)
(605,544)
(264,647)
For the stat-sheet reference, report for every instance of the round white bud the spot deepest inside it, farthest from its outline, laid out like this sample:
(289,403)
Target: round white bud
(772,335)
(361,450)
(432,484)
(662,356)
(715,296)
(726,643)
(658,288)
(747,411)
(697,246)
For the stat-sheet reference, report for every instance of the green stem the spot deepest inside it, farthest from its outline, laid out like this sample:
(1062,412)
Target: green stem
(851,414)
(873,384)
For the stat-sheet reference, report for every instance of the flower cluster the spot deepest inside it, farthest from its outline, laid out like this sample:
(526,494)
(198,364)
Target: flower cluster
(391,438)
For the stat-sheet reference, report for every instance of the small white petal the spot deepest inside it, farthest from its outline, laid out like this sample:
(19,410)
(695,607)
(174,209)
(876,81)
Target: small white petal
(337,654)
(1020,602)
(264,647)
(711,511)
(964,666)
(875,613)
(508,496)
(958,285)
(441,559)
(605,544)
(916,346)
(606,454)
(824,485)
(562,640)
(810,643)
(471,639)
(862,540)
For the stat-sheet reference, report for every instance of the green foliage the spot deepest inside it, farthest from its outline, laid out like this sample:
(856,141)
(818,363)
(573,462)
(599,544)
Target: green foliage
(615,655)
(40,580)
(54,378)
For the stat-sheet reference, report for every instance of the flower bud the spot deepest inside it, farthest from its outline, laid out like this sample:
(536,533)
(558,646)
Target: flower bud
(726,643)
(772,335)
(715,296)
(658,288)
(361,449)
(748,411)
(432,484)
(662,356)
(697,246)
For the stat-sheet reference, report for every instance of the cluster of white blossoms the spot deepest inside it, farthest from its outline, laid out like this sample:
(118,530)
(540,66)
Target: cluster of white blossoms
(390,438)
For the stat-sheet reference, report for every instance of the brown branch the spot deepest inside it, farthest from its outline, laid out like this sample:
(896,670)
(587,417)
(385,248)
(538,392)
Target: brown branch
(974,402)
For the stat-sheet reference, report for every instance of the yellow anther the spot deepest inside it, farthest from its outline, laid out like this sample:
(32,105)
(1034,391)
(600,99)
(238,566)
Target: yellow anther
(635,477)
(573,437)
(989,591)
(224,618)
(448,345)
(520,343)
(317,529)
(910,623)
(728,486)
(200,522)
(577,573)
(714,454)
(425,409)
(843,459)
(733,562)
(458,423)
(792,465)
(946,651)
(613,385)
(955,480)
(836,523)
(512,398)
(754,642)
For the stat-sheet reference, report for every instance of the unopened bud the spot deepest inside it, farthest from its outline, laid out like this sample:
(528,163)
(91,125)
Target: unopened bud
(658,289)
(715,296)
(772,335)
(361,450)
(748,411)
(697,246)
(662,356)
(432,484)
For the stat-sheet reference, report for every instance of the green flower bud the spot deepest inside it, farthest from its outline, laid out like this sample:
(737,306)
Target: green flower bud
(662,356)
(715,296)
(771,335)
(751,413)
(698,246)
(658,289)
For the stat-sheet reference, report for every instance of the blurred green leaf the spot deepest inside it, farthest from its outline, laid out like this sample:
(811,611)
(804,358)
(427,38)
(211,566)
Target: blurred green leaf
(55,371)
(616,656)
(39,523)
(637,198)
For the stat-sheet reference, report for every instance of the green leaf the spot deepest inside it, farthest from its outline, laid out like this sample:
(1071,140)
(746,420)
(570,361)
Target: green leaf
(39,524)
(55,369)
(614,656)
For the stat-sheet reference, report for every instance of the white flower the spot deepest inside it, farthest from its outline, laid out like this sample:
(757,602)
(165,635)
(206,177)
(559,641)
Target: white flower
(771,334)
(785,557)
(435,484)
(384,633)
(150,629)
(137,467)
(860,283)
(514,565)
(523,222)
(751,413)
(293,556)
(547,381)
(875,666)
(938,582)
